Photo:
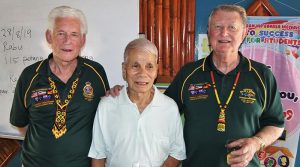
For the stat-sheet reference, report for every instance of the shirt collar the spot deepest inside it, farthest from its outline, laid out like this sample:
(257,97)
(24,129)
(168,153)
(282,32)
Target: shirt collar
(156,101)
(243,66)
(44,68)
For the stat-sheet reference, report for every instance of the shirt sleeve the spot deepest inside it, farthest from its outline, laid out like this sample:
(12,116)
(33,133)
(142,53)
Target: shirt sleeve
(177,149)
(98,148)
(19,115)
(105,80)
(273,113)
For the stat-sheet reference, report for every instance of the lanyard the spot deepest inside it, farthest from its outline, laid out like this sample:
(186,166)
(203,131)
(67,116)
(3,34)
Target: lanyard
(221,121)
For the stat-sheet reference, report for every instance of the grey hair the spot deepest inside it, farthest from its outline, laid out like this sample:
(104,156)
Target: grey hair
(141,44)
(230,8)
(66,11)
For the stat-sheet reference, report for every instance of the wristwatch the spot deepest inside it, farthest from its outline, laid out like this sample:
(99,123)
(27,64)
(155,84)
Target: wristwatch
(262,143)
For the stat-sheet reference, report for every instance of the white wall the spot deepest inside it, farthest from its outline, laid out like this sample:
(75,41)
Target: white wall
(111,25)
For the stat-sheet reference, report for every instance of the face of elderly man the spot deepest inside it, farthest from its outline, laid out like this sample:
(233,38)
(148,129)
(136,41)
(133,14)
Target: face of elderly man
(226,32)
(140,71)
(66,40)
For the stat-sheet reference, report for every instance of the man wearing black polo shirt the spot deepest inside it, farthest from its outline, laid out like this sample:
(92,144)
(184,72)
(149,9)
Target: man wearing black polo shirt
(226,96)
(56,99)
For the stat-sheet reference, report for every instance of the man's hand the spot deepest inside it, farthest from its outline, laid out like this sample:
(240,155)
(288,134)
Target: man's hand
(242,156)
(22,130)
(249,146)
(115,91)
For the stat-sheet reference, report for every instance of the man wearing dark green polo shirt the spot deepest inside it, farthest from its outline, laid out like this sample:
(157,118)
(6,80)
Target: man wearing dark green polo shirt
(226,96)
(56,99)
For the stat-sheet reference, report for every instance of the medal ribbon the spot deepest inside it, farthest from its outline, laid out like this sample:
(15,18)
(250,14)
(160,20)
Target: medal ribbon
(221,121)
(59,127)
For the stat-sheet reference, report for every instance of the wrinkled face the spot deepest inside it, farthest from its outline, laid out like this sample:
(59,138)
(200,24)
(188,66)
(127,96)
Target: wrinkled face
(140,71)
(226,32)
(66,39)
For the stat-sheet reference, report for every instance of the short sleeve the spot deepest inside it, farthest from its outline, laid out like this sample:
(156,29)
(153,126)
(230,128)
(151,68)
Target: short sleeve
(19,115)
(98,148)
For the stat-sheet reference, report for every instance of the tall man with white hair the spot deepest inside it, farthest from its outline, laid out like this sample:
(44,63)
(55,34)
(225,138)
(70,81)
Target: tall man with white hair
(56,99)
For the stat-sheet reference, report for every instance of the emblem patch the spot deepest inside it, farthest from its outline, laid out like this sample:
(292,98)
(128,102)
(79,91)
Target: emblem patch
(247,96)
(198,91)
(88,91)
(42,97)
(284,161)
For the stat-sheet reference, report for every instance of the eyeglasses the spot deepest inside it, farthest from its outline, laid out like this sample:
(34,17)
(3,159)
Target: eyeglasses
(65,35)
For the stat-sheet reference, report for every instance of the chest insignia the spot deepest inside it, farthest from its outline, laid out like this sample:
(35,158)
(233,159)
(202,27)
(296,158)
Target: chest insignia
(247,96)
(42,97)
(88,91)
(198,91)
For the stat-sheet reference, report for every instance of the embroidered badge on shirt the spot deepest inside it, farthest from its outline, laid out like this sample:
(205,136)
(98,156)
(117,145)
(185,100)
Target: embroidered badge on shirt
(247,96)
(88,91)
(42,97)
(198,91)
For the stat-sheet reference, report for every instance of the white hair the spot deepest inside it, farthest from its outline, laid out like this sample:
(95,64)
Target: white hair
(66,11)
(141,44)
(230,8)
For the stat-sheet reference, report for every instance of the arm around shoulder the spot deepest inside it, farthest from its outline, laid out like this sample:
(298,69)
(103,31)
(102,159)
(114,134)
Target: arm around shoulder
(22,130)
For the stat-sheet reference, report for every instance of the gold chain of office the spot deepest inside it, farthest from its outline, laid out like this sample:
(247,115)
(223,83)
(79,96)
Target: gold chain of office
(59,127)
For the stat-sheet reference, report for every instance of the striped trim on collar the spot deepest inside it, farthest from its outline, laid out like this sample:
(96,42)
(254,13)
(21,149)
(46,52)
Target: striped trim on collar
(207,63)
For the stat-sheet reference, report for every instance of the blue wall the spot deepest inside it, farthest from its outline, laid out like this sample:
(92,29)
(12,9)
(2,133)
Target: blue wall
(283,7)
